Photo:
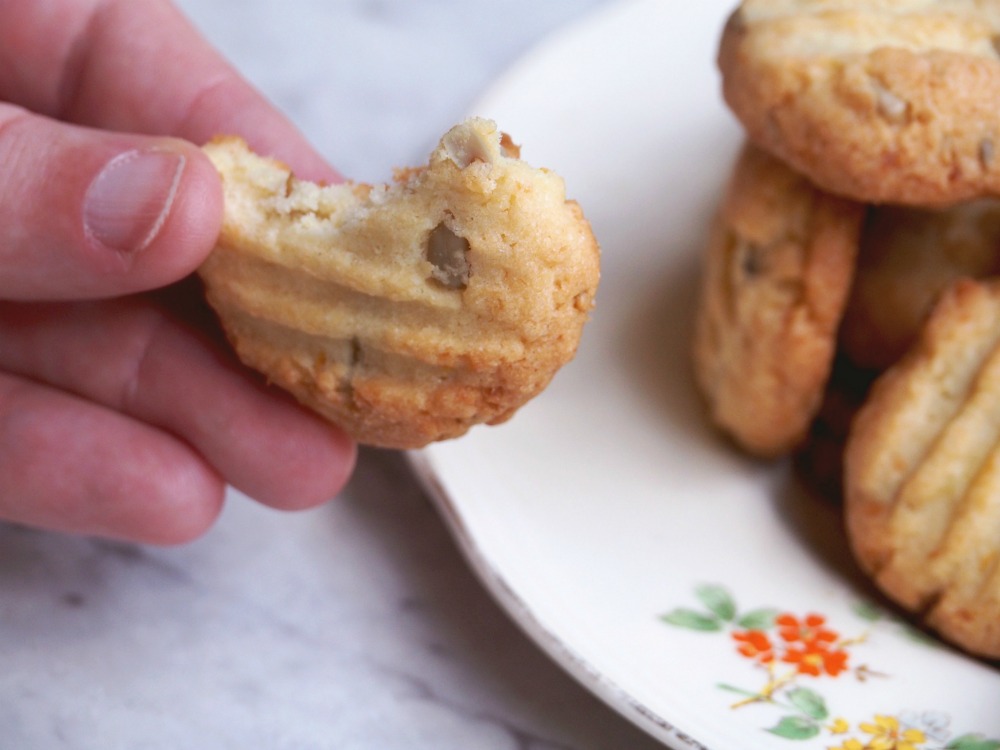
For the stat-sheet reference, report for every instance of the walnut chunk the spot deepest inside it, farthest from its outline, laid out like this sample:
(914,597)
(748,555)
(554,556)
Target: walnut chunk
(478,141)
(750,257)
(890,106)
(467,145)
(987,152)
(448,254)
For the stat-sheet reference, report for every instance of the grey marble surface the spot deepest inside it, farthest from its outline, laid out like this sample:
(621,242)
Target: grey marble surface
(356,625)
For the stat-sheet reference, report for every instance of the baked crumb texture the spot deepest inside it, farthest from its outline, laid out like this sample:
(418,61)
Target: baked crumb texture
(777,270)
(922,475)
(407,312)
(882,101)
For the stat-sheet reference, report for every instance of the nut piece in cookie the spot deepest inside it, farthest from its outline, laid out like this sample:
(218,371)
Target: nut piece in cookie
(777,270)
(922,472)
(907,256)
(404,313)
(882,101)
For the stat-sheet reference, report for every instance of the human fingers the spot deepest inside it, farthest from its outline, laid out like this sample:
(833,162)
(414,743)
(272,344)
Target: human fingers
(131,357)
(124,480)
(87,213)
(139,66)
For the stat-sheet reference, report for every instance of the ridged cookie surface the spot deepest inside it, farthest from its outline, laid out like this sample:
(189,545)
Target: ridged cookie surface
(409,312)
(922,477)
(777,270)
(882,101)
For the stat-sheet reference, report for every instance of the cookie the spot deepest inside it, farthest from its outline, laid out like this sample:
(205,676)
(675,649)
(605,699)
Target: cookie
(405,313)
(922,472)
(882,101)
(907,257)
(777,269)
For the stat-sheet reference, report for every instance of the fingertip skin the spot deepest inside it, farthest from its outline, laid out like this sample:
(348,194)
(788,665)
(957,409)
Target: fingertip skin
(191,229)
(179,240)
(323,462)
(89,214)
(153,212)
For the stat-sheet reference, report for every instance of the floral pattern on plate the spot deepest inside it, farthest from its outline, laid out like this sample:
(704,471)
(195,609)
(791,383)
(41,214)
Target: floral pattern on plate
(795,653)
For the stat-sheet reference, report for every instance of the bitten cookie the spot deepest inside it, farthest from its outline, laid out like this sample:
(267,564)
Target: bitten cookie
(777,270)
(405,313)
(882,101)
(922,476)
(907,257)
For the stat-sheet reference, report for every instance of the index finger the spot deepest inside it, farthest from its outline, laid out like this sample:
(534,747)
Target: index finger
(139,66)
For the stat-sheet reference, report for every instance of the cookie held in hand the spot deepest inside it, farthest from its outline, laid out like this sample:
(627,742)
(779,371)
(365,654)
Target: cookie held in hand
(404,313)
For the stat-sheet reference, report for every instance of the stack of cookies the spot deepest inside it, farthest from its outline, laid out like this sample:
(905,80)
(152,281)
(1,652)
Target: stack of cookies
(861,227)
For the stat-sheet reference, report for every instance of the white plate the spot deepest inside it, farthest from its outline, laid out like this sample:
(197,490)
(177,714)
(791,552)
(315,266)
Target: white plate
(607,505)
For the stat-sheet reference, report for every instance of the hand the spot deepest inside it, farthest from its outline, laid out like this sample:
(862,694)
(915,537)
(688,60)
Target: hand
(118,417)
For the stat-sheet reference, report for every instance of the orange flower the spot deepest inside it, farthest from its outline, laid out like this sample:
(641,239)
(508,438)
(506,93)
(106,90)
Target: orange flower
(806,631)
(754,644)
(816,658)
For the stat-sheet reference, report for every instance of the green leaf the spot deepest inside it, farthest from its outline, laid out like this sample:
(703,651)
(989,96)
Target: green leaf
(758,619)
(868,611)
(795,728)
(739,691)
(688,618)
(809,703)
(973,742)
(718,600)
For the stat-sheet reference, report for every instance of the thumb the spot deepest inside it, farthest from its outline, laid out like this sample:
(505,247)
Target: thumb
(88,213)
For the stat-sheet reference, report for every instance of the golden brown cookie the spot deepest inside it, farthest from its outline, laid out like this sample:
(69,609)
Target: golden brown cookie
(405,313)
(907,257)
(922,476)
(882,101)
(778,267)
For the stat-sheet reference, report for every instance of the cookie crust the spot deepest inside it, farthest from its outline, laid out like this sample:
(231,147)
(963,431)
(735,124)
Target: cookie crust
(922,472)
(882,101)
(777,269)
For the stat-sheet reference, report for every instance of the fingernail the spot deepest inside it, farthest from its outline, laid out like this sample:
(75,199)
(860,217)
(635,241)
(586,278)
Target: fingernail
(129,201)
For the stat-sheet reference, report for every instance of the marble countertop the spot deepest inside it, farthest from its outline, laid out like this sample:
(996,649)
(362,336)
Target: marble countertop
(356,625)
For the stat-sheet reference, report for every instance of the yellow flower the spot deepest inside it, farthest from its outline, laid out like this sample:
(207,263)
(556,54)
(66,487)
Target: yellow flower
(886,735)
(851,744)
(839,726)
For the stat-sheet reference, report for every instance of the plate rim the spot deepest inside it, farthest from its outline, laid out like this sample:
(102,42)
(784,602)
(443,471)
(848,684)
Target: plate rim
(573,662)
